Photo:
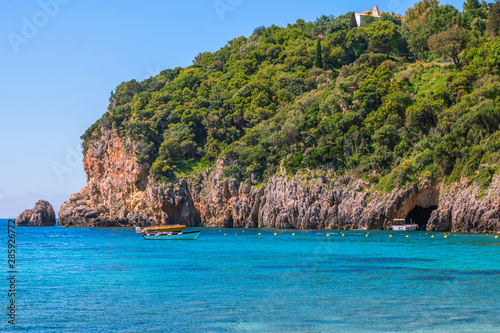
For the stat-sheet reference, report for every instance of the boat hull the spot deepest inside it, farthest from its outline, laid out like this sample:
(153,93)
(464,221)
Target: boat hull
(408,227)
(190,235)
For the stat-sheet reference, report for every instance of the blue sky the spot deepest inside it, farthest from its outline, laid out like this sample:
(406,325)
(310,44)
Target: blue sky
(59,60)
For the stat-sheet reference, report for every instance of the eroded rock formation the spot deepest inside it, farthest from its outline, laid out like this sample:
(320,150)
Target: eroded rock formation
(42,215)
(119,193)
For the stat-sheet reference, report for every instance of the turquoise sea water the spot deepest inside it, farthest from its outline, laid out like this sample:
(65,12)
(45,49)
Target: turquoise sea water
(99,280)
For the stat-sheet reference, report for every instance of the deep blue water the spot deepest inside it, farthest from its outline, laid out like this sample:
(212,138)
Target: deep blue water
(98,280)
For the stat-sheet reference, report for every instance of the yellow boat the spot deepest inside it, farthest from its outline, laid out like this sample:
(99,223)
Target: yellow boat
(168,232)
(163,228)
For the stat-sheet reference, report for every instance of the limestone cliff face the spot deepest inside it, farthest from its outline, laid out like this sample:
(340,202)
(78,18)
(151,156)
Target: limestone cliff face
(346,203)
(114,178)
(464,208)
(327,202)
(115,193)
(119,193)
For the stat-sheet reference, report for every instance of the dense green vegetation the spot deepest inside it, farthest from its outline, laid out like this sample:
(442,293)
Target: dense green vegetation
(353,101)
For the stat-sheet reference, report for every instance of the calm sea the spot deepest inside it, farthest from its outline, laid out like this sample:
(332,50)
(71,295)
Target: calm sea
(99,280)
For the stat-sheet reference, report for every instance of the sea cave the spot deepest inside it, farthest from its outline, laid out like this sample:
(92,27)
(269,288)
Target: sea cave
(420,215)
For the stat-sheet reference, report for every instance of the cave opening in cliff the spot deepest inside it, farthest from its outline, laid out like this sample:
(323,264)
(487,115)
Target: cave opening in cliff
(420,216)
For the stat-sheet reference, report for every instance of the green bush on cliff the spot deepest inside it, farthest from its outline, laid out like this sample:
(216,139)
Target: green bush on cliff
(363,109)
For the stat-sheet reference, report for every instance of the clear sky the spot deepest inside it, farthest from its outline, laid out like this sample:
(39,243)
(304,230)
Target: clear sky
(59,60)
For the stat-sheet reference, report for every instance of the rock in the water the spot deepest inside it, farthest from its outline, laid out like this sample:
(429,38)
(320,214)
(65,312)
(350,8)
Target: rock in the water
(41,216)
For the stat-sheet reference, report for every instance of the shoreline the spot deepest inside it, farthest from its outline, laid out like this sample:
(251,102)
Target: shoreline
(276,229)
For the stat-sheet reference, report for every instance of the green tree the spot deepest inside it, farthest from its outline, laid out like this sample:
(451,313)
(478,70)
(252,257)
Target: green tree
(472,10)
(423,115)
(356,44)
(418,13)
(323,21)
(367,20)
(386,136)
(471,5)
(383,36)
(450,43)
(493,25)
(391,17)
(418,39)
(417,21)
(479,25)
(340,23)
(441,18)
(352,22)
(318,57)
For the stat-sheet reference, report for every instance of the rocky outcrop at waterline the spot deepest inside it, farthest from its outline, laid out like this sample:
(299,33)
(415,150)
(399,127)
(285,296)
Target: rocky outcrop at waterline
(42,215)
(120,194)
(467,208)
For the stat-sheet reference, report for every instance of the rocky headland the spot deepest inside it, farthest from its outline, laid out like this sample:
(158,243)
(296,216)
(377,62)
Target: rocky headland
(42,215)
(120,193)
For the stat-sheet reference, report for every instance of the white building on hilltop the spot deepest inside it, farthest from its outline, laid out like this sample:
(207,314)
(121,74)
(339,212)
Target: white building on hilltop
(371,12)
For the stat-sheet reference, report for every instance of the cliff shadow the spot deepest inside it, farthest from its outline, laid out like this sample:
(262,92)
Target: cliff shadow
(420,216)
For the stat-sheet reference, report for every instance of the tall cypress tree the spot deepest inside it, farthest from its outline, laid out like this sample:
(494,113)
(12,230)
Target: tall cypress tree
(352,22)
(318,58)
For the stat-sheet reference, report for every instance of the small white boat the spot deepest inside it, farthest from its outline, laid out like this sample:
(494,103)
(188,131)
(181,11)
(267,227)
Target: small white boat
(400,225)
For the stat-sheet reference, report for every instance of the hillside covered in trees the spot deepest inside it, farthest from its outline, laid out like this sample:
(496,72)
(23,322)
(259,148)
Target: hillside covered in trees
(354,101)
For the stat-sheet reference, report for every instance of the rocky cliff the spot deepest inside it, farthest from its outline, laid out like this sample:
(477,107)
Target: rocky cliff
(42,215)
(115,194)
(119,193)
